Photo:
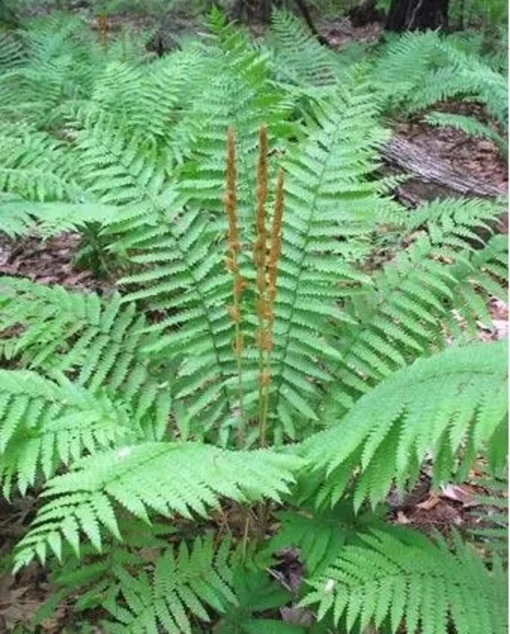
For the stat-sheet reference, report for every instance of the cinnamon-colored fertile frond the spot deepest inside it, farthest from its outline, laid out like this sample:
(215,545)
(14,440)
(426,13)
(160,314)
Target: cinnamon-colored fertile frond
(230,193)
(259,251)
(276,238)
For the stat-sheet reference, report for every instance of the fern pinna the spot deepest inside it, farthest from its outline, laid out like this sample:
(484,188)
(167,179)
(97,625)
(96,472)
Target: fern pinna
(254,384)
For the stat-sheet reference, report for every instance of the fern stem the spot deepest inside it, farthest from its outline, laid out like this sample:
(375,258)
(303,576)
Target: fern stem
(246,535)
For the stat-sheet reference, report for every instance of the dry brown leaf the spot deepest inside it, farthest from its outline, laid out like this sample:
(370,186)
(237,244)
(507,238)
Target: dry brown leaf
(459,493)
(402,518)
(429,503)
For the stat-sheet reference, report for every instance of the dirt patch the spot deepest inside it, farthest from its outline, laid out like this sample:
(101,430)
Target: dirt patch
(48,262)
(478,157)
(340,33)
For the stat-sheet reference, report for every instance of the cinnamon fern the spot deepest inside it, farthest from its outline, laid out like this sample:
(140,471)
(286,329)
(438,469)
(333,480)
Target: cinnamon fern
(253,379)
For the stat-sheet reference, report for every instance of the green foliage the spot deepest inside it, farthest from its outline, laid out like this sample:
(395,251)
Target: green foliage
(319,534)
(256,593)
(400,576)
(419,70)
(98,343)
(122,411)
(298,58)
(182,582)
(490,514)
(165,478)
(425,68)
(388,433)
(45,424)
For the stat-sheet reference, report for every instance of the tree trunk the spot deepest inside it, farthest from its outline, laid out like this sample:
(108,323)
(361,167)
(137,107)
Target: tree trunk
(364,13)
(301,5)
(252,10)
(260,11)
(417,15)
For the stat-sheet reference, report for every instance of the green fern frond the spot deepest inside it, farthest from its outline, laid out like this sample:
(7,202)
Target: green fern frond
(239,92)
(21,217)
(456,221)
(183,583)
(58,65)
(424,291)
(15,220)
(135,97)
(45,424)
(322,242)
(418,70)
(98,343)
(452,402)
(165,478)
(11,51)
(405,63)
(183,273)
(256,593)
(34,165)
(490,518)
(319,535)
(396,576)
(299,58)
(116,170)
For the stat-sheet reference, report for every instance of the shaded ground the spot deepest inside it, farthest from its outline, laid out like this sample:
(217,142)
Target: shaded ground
(341,32)
(475,156)
(49,261)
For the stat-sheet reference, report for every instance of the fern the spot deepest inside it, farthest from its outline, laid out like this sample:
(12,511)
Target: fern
(298,56)
(11,51)
(255,593)
(240,93)
(14,219)
(315,265)
(419,70)
(395,576)
(182,582)
(45,424)
(319,535)
(57,66)
(389,431)
(134,407)
(405,313)
(490,516)
(35,165)
(166,478)
(21,217)
(97,343)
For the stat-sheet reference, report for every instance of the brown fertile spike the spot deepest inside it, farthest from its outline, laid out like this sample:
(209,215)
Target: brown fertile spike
(265,378)
(230,194)
(276,238)
(259,254)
